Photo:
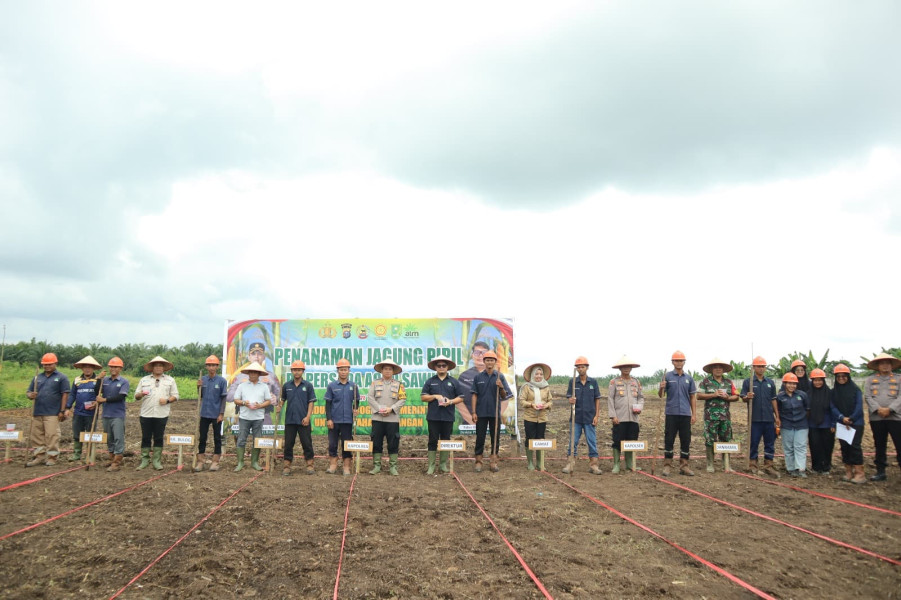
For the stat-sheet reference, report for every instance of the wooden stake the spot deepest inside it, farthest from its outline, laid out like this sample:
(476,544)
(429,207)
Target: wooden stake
(197,429)
(572,426)
(34,388)
(89,455)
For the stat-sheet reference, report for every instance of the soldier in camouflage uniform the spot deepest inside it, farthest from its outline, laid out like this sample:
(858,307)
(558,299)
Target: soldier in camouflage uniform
(717,392)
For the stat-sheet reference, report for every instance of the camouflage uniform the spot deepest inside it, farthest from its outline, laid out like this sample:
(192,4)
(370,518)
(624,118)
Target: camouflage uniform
(717,418)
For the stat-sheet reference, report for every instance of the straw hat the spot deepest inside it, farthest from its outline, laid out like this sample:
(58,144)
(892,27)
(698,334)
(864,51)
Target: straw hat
(708,368)
(255,367)
(625,361)
(389,363)
(896,362)
(545,368)
(87,361)
(167,366)
(451,365)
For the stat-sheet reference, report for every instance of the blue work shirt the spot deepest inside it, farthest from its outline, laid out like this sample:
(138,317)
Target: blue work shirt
(340,399)
(213,391)
(762,405)
(450,388)
(297,399)
(50,393)
(483,387)
(679,390)
(84,392)
(115,391)
(586,396)
(793,409)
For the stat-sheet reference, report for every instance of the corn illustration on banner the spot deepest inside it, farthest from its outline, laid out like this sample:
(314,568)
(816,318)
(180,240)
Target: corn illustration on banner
(411,343)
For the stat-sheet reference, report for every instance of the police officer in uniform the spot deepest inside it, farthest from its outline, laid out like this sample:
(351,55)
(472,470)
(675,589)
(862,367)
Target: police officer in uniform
(385,397)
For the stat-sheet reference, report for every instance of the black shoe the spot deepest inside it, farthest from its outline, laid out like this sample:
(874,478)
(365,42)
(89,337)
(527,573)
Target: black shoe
(879,476)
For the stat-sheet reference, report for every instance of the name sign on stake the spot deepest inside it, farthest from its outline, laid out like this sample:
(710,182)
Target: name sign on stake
(10,436)
(95,438)
(726,447)
(266,442)
(355,446)
(632,446)
(542,444)
(451,446)
(180,440)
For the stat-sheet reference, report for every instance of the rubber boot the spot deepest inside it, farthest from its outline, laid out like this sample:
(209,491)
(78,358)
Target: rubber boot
(255,459)
(530,461)
(116,464)
(769,469)
(348,463)
(478,463)
(859,476)
(392,464)
(214,466)
(710,459)
(442,462)
(630,462)
(287,468)
(431,470)
(593,467)
(145,459)
(199,460)
(157,457)
(726,467)
(685,468)
(667,465)
(240,466)
(376,464)
(880,474)
(76,452)
(570,465)
(616,455)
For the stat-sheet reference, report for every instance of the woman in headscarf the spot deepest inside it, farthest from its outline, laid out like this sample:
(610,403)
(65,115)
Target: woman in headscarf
(822,428)
(536,400)
(847,410)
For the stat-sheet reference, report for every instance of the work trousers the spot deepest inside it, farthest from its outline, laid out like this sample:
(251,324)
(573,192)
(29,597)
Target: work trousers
(767,431)
(45,435)
(794,445)
(534,431)
(292,432)
(205,424)
(439,430)
(591,439)
(680,424)
(851,453)
(249,427)
(626,430)
(81,423)
(822,443)
(153,428)
(881,432)
(341,432)
(114,427)
(487,424)
(382,430)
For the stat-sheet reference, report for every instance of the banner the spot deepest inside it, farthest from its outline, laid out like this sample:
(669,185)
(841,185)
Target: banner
(411,343)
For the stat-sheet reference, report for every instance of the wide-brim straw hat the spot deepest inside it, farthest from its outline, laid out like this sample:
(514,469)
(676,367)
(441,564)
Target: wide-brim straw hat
(167,366)
(545,368)
(896,362)
(451,365)
(255,367)
(708,368)
(390,363)
(87,361)
(625,361)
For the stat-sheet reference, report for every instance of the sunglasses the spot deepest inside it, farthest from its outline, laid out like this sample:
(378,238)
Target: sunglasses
(441,365)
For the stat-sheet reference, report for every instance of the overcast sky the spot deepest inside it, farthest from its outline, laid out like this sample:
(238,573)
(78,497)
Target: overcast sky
(616,176)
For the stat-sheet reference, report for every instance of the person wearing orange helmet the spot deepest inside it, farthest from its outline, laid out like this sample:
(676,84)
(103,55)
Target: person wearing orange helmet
(821,428)
(489,389)
(115,391)
(49,391)
(883,401)
(584,396)
(342,402)
(213,393)
(799,369)
(794,410)
(847,411)
(298,396)
(764,416)
(681,402)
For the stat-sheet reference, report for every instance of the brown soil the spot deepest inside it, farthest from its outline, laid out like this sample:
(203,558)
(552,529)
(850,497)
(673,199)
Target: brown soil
(417,536)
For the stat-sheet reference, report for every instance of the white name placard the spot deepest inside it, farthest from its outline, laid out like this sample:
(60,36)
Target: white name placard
(632,446)
(542,444)
(266,442)
(353,446)
(451,446)
(180,440)
(726,447)
(95,438)
(10,436)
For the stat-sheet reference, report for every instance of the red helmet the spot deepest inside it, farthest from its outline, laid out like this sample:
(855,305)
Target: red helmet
(798,363)
(789,378)
(758,361)
(49,359)
(581,361)
(343,362)
(841,368)
(299,364)
(115,362)
(678,355)
(818,374)
(212,359)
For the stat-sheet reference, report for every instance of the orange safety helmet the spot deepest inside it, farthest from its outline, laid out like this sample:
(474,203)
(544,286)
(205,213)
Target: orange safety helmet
(115,362)
(298,364)
(343,362)
(789,378)
(490,354)
(212,359)
(678,355)
(841,368)
(758,361)
(818,374)
(581,361)
(798,363)
(49,359)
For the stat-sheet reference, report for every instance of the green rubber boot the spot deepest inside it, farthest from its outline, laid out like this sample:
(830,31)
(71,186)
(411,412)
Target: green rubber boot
(710,459)
(392,464)
(376,464)
(255,459)
(145,459)
(431,470)
(76,451)
(240,464)
(157,457)
(443,457)
(616,454)
(630,462)
(530,462)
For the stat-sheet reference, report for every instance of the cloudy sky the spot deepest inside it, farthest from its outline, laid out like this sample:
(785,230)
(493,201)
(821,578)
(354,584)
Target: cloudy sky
(616,176)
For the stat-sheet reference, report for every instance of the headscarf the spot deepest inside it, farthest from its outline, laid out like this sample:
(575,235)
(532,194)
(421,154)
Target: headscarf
(819,402)
(844,397)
